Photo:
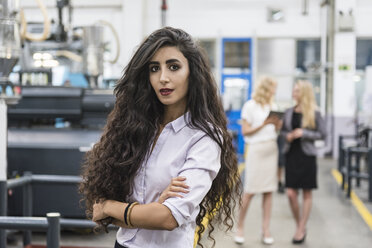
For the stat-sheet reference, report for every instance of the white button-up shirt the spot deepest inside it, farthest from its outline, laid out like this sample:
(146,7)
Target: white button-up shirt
(255,115)
(179,151)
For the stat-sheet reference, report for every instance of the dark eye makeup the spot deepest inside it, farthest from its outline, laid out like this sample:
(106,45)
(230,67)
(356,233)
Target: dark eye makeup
(174,67)
(154,68)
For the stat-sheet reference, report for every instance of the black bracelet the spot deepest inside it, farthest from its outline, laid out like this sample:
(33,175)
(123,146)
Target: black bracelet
(126,213)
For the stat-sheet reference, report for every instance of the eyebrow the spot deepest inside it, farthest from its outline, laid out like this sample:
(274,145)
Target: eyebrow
(169,61)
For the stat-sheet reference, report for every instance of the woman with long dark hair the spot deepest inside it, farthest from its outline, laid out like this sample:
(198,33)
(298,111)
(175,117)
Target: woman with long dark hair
(167,123)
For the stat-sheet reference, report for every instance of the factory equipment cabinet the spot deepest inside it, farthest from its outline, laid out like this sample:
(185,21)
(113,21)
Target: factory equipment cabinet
(37,144)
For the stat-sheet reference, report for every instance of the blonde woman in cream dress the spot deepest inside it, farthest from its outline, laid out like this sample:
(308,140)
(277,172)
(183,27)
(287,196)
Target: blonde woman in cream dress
(260,134)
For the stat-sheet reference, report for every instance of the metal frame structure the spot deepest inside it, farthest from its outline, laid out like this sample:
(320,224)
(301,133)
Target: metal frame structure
(350,168)
(234,116)
(52,223)
(248,75)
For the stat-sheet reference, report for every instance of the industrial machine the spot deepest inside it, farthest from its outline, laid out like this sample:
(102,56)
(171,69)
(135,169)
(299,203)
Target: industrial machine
(51,127)
(10,45)
(50,130)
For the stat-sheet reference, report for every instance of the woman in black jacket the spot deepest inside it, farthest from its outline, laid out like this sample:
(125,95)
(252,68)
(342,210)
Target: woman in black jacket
(302,125)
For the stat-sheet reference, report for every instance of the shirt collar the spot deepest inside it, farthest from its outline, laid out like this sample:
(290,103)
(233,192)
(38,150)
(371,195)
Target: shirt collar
(180,122)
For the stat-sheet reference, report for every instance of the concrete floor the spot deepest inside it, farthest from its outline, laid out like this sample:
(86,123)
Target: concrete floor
(334,222)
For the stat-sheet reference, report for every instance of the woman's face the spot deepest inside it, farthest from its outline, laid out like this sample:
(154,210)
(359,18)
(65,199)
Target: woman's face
(169,77)
(296,93)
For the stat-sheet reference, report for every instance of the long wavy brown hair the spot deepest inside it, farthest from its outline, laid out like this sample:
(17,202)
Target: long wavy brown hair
(110,167)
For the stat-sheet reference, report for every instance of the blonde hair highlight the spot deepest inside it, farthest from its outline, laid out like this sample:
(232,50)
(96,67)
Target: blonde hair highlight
(262,92)
(307,103)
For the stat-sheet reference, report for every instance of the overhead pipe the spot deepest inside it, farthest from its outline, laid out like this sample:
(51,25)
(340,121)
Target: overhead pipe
(117,41)
(46,30)
(305,7)
(164,8)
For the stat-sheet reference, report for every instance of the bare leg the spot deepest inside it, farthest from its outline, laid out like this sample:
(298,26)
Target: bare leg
(242,213)
(306,209)
(293,202)
(266,206)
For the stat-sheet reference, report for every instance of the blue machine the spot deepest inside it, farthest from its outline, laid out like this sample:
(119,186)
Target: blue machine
(236,82)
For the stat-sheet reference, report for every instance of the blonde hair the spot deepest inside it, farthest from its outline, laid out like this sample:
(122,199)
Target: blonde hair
(262,92)
(307,103)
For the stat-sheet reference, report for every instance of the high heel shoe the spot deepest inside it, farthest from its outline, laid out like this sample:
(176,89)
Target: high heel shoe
(239,240)
(299,241)
(268,240)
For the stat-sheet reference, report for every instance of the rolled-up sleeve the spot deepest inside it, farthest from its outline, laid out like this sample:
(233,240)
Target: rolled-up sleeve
(200,168)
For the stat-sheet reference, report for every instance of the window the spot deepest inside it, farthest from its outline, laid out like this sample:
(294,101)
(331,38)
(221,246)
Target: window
(209,47)
(308,55)
(363,53)
(236,54)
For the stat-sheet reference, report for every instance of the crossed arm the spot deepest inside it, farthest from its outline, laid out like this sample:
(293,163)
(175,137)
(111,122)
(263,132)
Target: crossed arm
(318,133)
(154,215)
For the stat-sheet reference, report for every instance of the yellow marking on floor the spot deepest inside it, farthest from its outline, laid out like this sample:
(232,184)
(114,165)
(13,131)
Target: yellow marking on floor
(358,204)
(337,176)
(241,168)
(205,220)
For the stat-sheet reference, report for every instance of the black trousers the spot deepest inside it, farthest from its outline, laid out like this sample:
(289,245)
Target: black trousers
(117,245)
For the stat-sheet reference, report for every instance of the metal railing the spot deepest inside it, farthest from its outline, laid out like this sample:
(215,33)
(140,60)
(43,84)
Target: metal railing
(52,222)
(351,168)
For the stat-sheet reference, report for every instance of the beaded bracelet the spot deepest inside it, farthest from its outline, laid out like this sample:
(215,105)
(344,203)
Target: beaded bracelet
(129,213)
(126,213)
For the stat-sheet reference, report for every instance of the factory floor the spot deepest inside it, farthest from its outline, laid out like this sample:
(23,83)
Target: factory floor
(335,221)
